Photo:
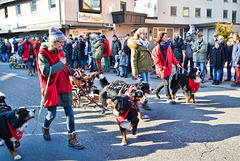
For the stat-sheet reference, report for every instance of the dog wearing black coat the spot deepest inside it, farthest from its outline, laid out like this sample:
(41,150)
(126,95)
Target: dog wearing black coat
(189,83)
(126,115)
(12,125)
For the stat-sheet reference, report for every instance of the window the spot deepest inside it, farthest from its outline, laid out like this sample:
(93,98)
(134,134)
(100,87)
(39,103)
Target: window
(185,12)
(34,6)
(173,11)
(122,6)
(91,6)
(197,12)
(209,13)
(52,4)
(225,0)
(234,16)
(225,14)
(234,1)
(6,12)
(18,9)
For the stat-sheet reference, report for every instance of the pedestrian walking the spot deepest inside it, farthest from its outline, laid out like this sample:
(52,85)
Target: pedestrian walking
(217,62)
(141,60)
(60,89)
(163,59)
(199,54)
(28,54)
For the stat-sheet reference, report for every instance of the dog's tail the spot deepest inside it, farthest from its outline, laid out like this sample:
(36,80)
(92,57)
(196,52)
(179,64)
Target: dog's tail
(103,81)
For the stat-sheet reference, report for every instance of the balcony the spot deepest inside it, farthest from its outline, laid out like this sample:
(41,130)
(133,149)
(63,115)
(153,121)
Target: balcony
(128,17)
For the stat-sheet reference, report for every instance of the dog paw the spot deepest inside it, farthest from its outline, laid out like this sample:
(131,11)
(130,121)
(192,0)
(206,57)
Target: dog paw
(1,142)
(17,157)
(176,99)
(124,144)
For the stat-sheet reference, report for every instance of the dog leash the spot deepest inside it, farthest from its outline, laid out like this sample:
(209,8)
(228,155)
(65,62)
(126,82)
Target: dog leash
(177,72)
(43,100)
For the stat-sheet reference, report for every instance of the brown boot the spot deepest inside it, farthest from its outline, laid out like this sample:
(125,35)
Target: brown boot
(30,73)
(46,134)
(72,141)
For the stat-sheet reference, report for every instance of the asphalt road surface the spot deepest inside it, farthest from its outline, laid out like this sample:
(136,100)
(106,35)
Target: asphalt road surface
(207,130)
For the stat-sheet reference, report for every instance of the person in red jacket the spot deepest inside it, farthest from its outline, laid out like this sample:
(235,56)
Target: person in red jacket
(59,91)
(37,45)
(28,54)
(106,54)
(163,59)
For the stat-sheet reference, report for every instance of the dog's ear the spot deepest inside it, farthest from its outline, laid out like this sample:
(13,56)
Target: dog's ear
(192,73)
(2,98)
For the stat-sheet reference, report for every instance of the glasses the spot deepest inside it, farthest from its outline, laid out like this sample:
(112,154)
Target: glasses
(62,42)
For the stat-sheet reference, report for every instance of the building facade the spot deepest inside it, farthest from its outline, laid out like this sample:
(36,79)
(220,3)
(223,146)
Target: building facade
(19,18)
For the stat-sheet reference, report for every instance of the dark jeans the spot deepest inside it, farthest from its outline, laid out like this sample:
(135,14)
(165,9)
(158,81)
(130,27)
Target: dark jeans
(217,74)
(229,67)
(165,84)
(186,60)
(52,111)
(124,69)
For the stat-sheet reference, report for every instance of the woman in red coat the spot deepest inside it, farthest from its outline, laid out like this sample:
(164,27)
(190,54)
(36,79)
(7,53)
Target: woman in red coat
(163,59)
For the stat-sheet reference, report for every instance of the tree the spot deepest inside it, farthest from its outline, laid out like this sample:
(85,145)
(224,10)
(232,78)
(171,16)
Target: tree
(223,29)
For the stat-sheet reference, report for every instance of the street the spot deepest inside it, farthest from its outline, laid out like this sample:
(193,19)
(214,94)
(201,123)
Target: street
(207,130)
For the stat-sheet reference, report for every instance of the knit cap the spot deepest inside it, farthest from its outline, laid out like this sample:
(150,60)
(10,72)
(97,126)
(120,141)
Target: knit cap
(55,34)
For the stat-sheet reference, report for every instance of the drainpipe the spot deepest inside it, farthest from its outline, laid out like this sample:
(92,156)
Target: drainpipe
(60,12)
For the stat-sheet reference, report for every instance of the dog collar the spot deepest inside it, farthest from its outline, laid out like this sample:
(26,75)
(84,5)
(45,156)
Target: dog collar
(15,133)
(121,117)
(193,85)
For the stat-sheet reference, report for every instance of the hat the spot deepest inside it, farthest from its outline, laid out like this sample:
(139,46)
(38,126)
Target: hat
(126,35)
(134,30)
(217,42)
(55,34)
(215,34)
(114,35)
(199,35)
(98,36)
(188,34)
(80,39)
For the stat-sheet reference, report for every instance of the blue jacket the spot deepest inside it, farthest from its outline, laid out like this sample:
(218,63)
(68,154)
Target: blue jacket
(236,55)
(124,59)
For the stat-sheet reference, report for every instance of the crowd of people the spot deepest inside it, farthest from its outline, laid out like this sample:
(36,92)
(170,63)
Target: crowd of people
(87,51)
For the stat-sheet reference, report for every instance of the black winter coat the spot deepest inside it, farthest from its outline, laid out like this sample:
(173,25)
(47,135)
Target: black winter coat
(217,58)
(68,49)
(177,49)
(126,48)
(81,48)
(3,49)
(224,47)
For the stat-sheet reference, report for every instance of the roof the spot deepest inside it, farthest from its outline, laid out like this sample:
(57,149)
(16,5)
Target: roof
(6,1)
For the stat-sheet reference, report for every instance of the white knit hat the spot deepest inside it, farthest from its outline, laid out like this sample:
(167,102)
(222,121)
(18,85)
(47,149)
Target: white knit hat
(55,34)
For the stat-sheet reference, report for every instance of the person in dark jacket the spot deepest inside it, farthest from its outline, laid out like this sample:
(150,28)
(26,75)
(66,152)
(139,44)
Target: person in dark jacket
(77,62)
(3,51)
(68,51)
(229,58)
(115,48)
(217,61)
(15,45)
(99,45)
(177,49)
(128,52)
(188,52)
(81,51)
(224,47)
(9,50)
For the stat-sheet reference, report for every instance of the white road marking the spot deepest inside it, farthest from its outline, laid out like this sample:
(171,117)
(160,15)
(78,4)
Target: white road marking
(9,75)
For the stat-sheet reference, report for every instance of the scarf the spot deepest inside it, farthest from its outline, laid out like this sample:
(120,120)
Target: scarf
(142,42)
(164,45)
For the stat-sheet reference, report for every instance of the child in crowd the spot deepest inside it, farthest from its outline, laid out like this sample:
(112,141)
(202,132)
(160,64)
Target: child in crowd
(217,62)
(123,63)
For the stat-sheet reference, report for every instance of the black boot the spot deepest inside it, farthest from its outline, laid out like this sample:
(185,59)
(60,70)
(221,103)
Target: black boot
(214,82)
(217,82)
(156,93)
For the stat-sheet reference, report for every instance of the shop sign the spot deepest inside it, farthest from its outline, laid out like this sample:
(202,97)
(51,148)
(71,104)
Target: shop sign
(11,26)
(90,17)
